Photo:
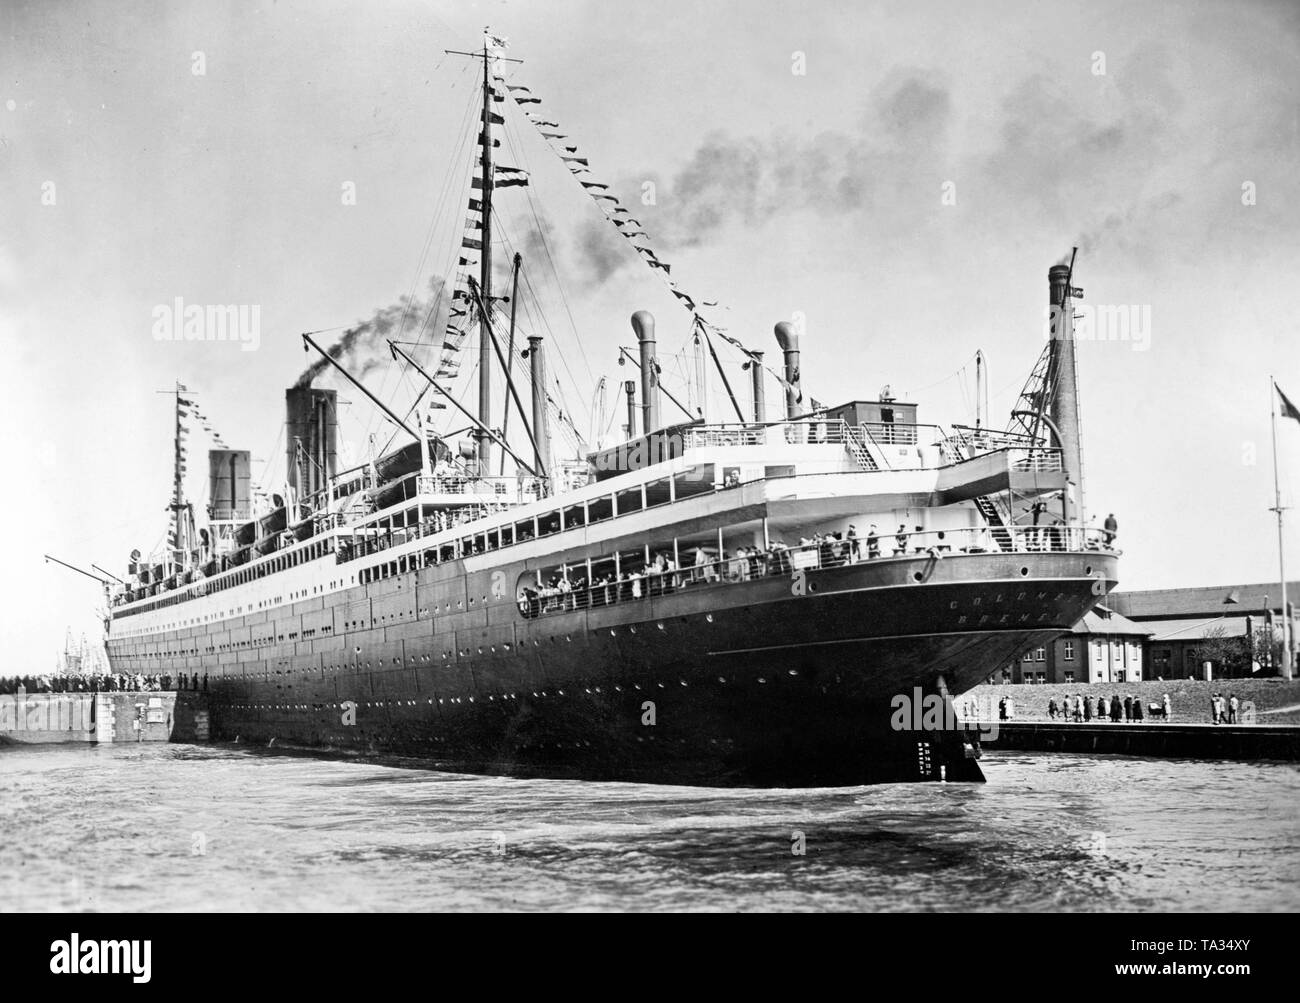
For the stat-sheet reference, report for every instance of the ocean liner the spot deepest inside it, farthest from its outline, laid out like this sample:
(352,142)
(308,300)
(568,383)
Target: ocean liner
(747,601)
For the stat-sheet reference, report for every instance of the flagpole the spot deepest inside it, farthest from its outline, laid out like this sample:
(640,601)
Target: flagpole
(1281,548)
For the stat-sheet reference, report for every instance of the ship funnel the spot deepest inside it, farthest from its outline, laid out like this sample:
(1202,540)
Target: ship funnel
(1064,406)
(788,338)
(311,435)
(756,377)
(540,429)
(229,479)
(644,326)
(629,388)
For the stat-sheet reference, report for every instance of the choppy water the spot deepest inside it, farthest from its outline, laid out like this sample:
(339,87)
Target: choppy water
(120,828)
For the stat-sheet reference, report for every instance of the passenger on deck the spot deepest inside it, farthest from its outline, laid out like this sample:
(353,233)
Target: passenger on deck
(701,572)
(900,540)
(873,543)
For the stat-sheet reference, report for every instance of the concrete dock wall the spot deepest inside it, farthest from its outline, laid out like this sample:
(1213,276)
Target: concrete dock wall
(42,718)
(1175,741)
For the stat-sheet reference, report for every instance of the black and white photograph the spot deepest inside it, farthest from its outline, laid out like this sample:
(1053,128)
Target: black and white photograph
(743,456)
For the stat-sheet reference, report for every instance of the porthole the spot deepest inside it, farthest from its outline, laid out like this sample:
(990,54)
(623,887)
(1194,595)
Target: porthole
(1024,572)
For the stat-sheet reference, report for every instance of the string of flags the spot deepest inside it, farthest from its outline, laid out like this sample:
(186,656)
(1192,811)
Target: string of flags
(608,203)
(626,224)
(189,409)
(470,258)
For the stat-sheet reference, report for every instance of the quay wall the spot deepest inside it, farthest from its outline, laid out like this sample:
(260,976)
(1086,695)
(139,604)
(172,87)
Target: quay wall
(1174,741)
(1276,701)
(44,718)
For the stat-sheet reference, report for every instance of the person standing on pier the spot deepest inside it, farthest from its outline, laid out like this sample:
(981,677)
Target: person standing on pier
(1051,708)
(1087,710)
(1116,708)
(1102,709)
(1065,707)
(1128,707)
(1233,705)
(1169,710)
(1137,710)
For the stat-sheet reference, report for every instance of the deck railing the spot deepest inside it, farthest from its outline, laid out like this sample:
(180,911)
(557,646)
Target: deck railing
(568,590)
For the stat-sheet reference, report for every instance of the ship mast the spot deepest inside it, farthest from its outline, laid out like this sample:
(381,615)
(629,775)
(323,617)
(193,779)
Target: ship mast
(178,543)
(483,451)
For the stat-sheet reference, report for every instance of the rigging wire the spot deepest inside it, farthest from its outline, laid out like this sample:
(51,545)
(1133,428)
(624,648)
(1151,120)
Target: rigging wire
(441,205)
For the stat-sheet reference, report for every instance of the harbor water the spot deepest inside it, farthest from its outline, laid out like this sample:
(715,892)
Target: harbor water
(178,827)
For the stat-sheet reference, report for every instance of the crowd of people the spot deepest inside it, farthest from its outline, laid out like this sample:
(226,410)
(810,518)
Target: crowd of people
(1114,708)
(106,682)
(562,591)
(570,591)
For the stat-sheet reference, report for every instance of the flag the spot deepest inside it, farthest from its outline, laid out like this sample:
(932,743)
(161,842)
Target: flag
(509,177)
(1289,410)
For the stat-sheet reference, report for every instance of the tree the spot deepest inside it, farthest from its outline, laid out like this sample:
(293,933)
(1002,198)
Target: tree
(1268,648)
(1230,655)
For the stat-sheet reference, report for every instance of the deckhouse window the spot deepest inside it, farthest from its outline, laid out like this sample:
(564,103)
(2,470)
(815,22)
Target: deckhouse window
(658,492)
(696,480)
(600,509)
(628,500)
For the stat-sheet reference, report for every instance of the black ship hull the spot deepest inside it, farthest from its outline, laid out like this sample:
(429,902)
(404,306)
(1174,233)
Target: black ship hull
(791,680)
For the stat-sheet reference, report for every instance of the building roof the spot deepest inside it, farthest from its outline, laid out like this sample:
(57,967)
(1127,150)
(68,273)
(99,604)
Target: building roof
(1206,602)
(1195,628)
(1106,622)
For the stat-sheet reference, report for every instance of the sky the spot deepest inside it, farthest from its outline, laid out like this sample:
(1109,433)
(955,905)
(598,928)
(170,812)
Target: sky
(899,175)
